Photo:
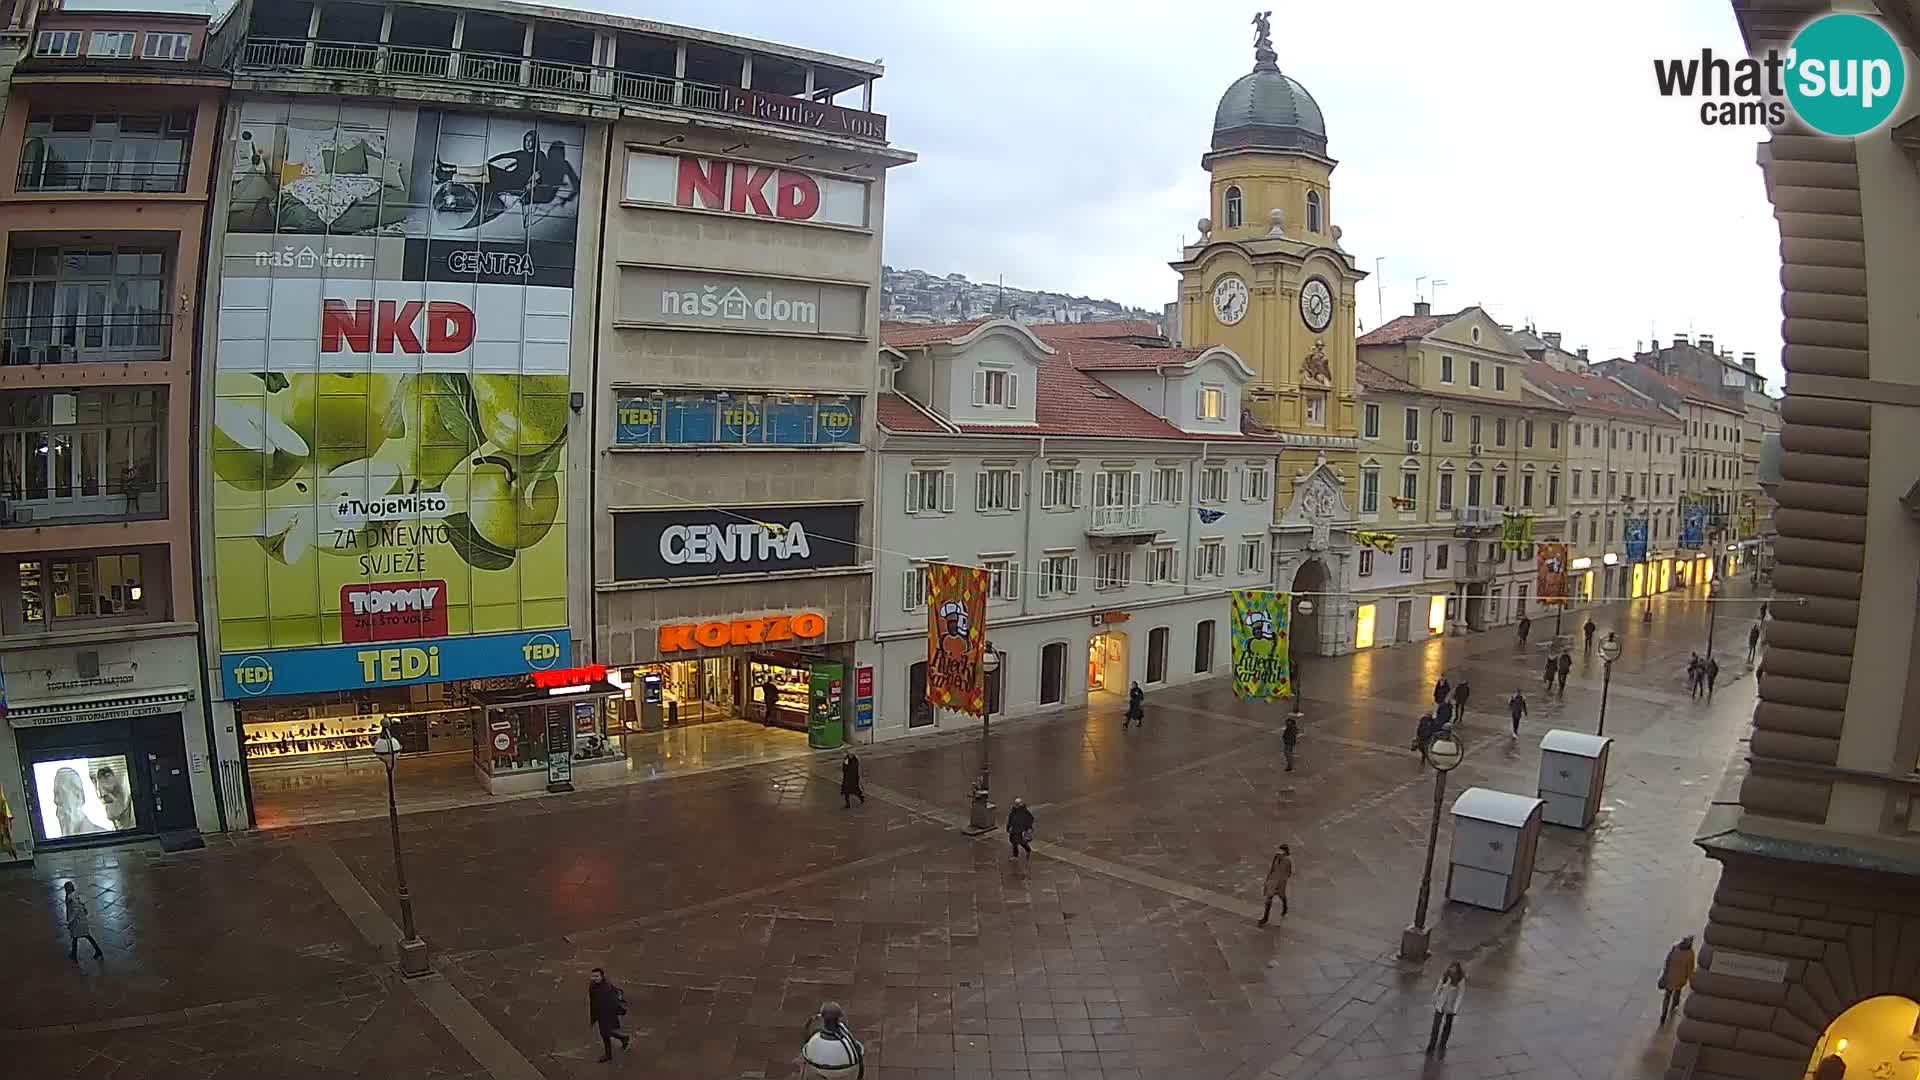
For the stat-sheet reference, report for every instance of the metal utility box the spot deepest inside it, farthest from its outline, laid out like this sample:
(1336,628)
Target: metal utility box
(1495,836)
(1573,775)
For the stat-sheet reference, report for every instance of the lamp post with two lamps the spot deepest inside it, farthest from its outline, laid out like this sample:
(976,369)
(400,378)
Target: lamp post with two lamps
(1609,652)
(980,814)
(413,951)
(1444,753)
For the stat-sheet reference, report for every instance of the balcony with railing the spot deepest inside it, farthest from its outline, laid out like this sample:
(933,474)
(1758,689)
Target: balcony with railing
(45,177)
(1124,524)
(76,456)
(79,337)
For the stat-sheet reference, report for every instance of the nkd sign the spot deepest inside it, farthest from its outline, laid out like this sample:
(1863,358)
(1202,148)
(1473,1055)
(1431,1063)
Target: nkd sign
(730,302)
(750,189)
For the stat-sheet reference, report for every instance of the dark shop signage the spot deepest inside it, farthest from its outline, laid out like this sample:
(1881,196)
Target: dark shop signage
(696,542)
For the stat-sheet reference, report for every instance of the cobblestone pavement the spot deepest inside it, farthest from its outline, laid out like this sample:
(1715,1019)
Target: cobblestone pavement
(730,903)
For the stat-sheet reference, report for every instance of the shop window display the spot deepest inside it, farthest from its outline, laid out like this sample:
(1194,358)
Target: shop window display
(518,728)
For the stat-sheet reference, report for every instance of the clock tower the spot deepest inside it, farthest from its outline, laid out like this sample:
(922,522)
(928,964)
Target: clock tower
(1269,279)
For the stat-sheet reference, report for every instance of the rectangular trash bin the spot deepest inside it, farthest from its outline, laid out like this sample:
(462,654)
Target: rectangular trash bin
(1573,776)
(1495,835)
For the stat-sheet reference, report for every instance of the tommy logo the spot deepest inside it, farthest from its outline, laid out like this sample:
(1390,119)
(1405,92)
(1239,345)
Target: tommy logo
(393,611)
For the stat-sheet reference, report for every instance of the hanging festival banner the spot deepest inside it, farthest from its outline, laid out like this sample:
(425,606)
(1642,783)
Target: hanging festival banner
(956,637)
(1517,532)
(1636,540)
(1260,628)
(1693,525)
(1550,580)
(1379,541)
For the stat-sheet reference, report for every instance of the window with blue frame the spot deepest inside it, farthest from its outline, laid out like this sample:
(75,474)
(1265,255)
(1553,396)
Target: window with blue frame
(725,418)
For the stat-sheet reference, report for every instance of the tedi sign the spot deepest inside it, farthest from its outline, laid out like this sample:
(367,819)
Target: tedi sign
(1843,75)
(709,542)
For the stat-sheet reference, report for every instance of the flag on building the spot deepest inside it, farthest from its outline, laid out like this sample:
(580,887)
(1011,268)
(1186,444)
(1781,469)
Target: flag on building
(956,637)
(1550,579)
(1379,541)
(1260,629)
(1517,532)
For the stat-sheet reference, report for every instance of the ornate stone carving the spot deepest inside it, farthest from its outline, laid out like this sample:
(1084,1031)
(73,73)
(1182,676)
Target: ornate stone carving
(1315,365)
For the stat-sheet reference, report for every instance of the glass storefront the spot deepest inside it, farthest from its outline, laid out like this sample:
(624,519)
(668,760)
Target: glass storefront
(773,688)
(522,730)
(315,729)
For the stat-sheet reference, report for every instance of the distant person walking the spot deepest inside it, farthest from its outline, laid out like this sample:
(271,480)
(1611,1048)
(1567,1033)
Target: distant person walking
(1289,735)
(1588,630)
(79,925)
(1020,829)
(1136,707)
(1526,627)
(1443,715)
(1446,1005)
(850,788)
(1279,872)
(606,1004)
(1517,705)
(1713,674)
(1696,674)
(1562,669)
(1553,668)
(1753,642)
(1461,692)
(1675,974)
(1442,690)
(1423,732)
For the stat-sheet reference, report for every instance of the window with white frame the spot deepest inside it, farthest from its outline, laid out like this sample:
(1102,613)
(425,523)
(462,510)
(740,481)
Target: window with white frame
(1169,484)
(996,386)
(913,586)
(1441,555)
(1369,491)
(1253,554)
(1499,431)
(1213,403)
(1060,488)
(1366,562)
(1213,484)
(1003,576)
(1059,574)
(1473,373)
(1409,489)
(929,491)
(1316,408)
(1473,429)
(1576,479)
(1576,434)
(1553,489)
(1163,564)
(1256,483)
(1526,489)
(1370,421)
(1444,500)
(1406,560)
(1473,489)
(1113,570)
(165,46)
(58,43)
(1446,369)
(1412,425)
(1210,558)
(996,487)
(112,44)
(1499,377)
(1500,489)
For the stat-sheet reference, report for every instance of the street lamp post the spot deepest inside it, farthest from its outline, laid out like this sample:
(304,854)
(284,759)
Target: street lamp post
(1713,611)
(980,815)
(413,951)
(1444,753)
(1609,652)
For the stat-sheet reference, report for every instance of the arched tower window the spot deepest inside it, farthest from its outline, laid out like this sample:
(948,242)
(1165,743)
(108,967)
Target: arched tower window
(1235,209)
(1313,211)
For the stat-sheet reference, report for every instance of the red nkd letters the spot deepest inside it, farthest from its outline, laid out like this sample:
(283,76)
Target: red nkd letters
(390,326)
(738,188)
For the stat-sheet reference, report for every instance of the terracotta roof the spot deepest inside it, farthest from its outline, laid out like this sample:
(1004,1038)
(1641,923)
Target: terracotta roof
(1685,387)
(906,335)
(1593,393)
(1406,328)
(898,414)
(1120,355)
(1372,378)
(1108,330)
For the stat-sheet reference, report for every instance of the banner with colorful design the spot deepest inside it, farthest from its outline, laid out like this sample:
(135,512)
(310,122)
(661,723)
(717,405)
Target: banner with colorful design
(1693,525)
(1517,532)
(1260,629)
(1636,536)
(956,637)
(1550,578)
(1379,541)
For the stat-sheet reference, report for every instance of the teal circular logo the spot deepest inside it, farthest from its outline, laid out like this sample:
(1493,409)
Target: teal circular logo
(1845,74)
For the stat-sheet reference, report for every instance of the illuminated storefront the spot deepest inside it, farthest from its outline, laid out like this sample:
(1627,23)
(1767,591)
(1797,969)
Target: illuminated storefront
(1363,617)
(1437,613)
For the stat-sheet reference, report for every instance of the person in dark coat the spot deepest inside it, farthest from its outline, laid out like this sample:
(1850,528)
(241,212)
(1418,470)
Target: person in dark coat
(1696,673)
(1753,642)
(1553,665)
(1565,666)
(1289,735)
(1517,705)
(1441,690)
(1588,630)
(1461,692)
(1020,829)
(1136,706)
(1442,715)
(1526,627)
(850,781)
(1423,732)
(605,1006)
(1713,674)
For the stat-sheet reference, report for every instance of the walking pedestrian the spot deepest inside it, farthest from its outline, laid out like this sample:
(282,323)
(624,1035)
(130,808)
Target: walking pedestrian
(79,925)
(1713,674)
(1646,613)
(1441,690)
(1753,642)
(606,1004)
(1446,1005)
(1675,974)
(1423,732)
(1553,666)
(1517,705)
(1461,692)
(1564,666)
(1289,735)
(1279,872)
(1589,629)
(1136,707)
(1763,611)
(850,782)
(1526,627)
(1696,670)
(830,1049)
(1020,829)
(1443,715)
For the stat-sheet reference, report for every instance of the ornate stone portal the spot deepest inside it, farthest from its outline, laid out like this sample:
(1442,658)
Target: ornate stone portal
(1318,506)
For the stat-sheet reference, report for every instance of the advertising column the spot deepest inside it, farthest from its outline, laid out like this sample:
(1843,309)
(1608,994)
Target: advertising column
(391,398)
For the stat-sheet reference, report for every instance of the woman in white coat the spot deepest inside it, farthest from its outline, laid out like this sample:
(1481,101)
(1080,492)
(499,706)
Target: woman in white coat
(831,1050)
(1446,1004)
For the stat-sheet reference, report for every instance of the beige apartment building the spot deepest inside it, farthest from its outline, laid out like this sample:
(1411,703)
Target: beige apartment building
(1809,951)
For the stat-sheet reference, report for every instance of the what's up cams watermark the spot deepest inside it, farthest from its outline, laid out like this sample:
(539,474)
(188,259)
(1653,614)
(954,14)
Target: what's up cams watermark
(1842,75)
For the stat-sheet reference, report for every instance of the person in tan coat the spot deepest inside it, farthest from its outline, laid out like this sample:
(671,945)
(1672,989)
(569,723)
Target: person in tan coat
(1675,975)
(1279,872)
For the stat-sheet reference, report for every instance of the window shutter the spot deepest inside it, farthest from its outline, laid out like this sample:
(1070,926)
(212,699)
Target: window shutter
(1077,490)
(980,490)
(1013,389)
(1016,483)
(913,492)
(906,591)
(979,387)
(1012,578)
(1073,574)
(1200,403)
(1135,489)
(946,491)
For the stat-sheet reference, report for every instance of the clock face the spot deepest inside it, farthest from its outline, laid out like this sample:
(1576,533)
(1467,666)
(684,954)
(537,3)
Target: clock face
(1230,299)
(1316,304)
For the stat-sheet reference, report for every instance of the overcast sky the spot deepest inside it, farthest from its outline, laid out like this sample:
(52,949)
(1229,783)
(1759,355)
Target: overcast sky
(1516,149)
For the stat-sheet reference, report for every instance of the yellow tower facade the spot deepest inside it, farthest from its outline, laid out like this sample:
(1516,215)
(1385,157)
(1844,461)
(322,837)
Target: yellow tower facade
(1269,279)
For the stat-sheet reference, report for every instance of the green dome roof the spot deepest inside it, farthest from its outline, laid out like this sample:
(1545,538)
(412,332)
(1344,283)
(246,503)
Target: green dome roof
(1266,109)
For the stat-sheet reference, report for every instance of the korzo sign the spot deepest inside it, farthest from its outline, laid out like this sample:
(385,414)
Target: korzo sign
(700,542)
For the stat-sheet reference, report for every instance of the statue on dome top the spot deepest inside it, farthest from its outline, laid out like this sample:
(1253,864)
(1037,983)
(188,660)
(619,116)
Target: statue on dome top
(1263,55)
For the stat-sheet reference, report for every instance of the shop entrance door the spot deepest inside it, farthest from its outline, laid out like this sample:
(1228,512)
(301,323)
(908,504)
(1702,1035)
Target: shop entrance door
(1107,662)
(172,786)
(109,780)
(1403,621)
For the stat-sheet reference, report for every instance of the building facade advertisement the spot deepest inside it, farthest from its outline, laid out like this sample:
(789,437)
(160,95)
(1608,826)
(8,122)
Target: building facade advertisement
(722,418)
(746,188)
(1636,539)
(1693,525)
(356,667)
(681,298)
(1516,531)
(1262,669)
(714,541)
(391,392)
(956,637)
(1550,574)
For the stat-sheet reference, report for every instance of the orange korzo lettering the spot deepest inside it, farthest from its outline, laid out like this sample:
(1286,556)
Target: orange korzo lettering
(676,637)
(779,628)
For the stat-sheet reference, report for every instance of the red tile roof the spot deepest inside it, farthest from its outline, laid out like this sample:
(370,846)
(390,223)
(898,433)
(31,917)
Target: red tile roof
(1372,378)
(1681,385)
(899,414)
(1406,328)
(1585,392)
(1108,330)
(906,335)
(1121,355)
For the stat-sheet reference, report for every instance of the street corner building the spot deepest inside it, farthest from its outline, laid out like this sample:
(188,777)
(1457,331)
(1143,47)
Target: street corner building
(1811,950)
(515,321)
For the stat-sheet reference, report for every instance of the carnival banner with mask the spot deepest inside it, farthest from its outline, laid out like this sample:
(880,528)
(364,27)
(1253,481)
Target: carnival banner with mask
(1550,579)
(956,637)
(1261,626)
(1636,540)
(1517,532)
(1379,541)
